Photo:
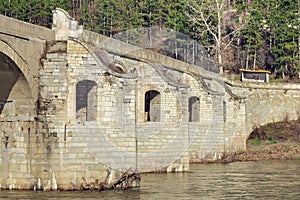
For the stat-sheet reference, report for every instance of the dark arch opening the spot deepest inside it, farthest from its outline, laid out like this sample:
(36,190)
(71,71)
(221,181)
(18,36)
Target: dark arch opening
(86,100)
(194,109)
(152,106)
(15,93)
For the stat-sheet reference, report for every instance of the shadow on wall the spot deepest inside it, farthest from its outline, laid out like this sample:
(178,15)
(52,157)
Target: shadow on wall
(9,75)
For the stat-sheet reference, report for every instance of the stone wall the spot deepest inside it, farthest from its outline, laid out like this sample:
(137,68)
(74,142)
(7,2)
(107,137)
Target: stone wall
(22,148)
(133,113)
(268,102)
(120,135)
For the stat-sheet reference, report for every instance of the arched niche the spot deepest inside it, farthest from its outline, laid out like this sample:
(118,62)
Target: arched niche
(152,106)
(86,100)
(194,109)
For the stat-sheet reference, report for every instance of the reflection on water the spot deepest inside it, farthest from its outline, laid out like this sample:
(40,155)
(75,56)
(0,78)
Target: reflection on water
(248,180)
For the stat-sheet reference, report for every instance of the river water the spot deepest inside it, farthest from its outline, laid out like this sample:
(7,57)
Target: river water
(246,180)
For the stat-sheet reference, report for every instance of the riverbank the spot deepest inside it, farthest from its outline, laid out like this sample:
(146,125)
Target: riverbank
(274,141)
(265,151)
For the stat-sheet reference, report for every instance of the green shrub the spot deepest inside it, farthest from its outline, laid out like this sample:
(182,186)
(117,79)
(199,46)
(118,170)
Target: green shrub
(271,140)
(256,141)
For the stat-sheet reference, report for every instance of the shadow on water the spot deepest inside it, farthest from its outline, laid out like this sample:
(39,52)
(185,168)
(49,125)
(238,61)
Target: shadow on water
(247,180)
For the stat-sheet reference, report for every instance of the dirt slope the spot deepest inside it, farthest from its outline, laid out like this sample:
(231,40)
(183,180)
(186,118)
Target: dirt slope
(274,141)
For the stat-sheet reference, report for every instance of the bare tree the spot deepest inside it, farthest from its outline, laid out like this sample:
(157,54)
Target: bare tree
(220,21)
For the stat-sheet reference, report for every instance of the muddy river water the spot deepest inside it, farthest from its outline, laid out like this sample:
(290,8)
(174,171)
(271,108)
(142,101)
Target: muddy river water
(246,180)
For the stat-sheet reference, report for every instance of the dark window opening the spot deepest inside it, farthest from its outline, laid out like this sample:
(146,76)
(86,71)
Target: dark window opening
(194,109)
(86,100)
(152,106)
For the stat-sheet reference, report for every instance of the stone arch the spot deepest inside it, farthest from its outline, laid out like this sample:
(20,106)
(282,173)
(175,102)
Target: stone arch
(10,52)
(86,100)
(152,106)
(17,86)
(194,109)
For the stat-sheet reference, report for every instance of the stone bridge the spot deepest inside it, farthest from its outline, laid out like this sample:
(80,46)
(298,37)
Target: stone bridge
(75,104)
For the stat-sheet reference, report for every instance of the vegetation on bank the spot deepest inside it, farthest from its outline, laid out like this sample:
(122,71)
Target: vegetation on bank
(258,34)
(274,141)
